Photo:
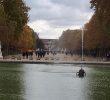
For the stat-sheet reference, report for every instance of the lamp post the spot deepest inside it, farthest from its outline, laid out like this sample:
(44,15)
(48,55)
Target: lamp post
(82,44)
(82,37)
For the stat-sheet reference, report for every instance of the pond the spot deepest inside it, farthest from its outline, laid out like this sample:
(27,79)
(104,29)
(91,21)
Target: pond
(53,82)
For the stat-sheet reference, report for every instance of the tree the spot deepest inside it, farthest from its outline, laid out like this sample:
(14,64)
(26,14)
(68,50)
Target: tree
(40,44)
(27,39)
(17,13)
(13,18)
(102,11)
(71,40)
(97,35)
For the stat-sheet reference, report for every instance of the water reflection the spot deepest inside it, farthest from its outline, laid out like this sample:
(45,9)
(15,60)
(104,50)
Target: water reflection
(53,82)
(11,82)
(99,84)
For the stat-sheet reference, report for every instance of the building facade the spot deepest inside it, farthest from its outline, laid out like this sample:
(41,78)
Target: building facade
(50,44)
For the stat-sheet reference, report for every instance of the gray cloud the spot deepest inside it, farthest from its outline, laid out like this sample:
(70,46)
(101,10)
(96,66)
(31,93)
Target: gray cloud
(59,11)
(80,4)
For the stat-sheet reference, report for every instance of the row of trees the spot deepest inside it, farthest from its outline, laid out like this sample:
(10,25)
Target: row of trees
(71,40)
(14,32)
(97,35)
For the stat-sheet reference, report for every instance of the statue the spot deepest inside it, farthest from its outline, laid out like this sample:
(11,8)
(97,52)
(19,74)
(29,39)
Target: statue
(1,57)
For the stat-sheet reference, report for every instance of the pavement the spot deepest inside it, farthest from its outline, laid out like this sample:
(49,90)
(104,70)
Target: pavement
(55,59)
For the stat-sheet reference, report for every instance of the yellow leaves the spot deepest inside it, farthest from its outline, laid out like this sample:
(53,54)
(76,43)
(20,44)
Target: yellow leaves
(26,41)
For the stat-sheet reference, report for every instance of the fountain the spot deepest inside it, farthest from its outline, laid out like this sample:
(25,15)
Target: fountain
(1,57)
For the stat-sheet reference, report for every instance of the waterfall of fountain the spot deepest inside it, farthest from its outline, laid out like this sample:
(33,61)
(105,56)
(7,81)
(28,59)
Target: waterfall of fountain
(1,57)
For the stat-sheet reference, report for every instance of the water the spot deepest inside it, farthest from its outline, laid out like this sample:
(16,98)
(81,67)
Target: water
(53,82)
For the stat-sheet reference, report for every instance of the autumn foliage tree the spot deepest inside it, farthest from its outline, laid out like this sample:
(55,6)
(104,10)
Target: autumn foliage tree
(97,36)
(27,39)
(16,14)
(71,40)
(15,34)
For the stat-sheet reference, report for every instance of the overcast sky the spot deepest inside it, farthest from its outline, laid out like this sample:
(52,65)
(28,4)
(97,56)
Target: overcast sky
(50,18)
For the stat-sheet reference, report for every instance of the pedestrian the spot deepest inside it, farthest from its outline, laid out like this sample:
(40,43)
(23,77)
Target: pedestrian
(27,54)
(23,54)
